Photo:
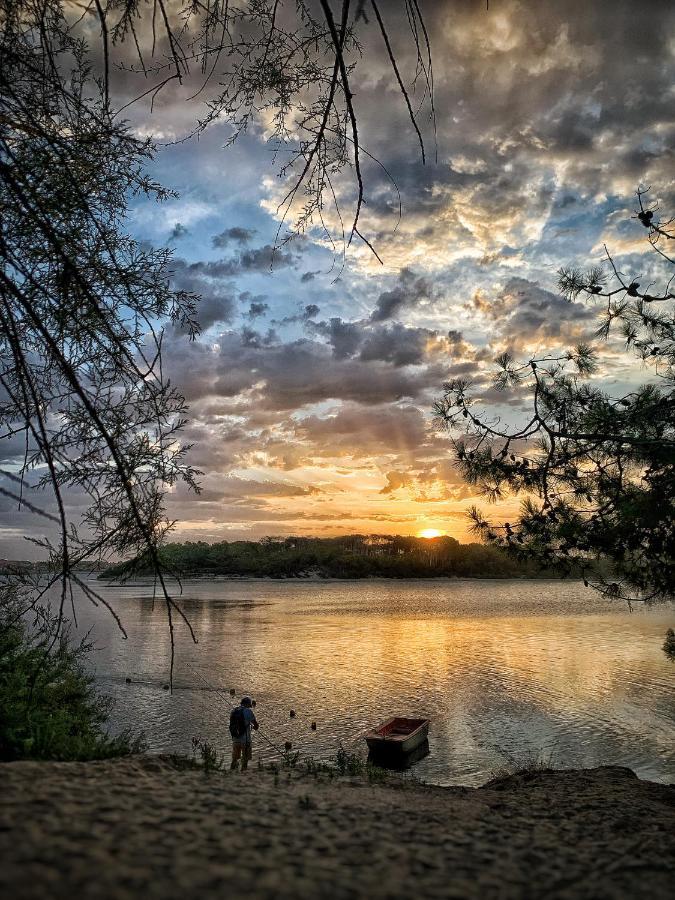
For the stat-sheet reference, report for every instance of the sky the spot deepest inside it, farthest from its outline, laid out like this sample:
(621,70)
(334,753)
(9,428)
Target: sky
(311,385)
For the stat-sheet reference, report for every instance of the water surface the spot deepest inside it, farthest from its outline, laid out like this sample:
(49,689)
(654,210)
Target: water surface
(506,670)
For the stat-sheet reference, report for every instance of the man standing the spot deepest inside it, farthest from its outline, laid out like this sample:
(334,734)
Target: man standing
(242,718)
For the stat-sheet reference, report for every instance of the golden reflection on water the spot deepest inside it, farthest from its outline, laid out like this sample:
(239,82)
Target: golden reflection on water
(503,669)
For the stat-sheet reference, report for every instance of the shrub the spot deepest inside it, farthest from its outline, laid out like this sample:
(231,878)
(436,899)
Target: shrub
(49,706)
(211,760)
(669,644)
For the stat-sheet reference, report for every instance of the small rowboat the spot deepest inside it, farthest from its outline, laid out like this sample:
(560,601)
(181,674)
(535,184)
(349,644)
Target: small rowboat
(398,736)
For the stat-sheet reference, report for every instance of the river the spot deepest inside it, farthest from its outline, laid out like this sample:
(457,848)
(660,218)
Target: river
(507,671)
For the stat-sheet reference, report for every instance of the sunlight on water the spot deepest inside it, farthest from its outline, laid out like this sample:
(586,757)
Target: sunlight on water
(505,670)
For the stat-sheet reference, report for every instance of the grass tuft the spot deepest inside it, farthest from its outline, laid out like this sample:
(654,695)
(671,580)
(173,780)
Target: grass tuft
(532,764)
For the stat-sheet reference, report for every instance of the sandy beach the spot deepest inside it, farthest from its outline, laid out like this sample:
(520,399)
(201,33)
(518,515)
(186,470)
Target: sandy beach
(140,827)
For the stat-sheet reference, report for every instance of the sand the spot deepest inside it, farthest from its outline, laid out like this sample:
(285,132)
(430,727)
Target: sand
(140,828)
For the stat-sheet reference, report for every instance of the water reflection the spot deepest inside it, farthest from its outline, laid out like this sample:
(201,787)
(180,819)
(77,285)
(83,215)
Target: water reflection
(400,763)
(503,669)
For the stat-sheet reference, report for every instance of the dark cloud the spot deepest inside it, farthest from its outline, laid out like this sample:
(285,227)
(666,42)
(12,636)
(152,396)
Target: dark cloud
(256,309)
(217,300)
(291,375)
(234,235)
(525,313)
(252,338)
(398,344)
(213,281)
(264,259)
(258,259)
(409,291)
(213,306)
(233,488)
(344,337)
(178,231)
(400,429)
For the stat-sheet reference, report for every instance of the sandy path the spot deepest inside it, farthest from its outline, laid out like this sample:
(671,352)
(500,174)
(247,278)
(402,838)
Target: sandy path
(139,828)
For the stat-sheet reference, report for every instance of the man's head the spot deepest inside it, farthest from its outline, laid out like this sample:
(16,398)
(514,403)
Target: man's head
(246,701)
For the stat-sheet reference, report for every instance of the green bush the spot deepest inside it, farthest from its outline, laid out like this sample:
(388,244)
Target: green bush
(49,707)
(669,644)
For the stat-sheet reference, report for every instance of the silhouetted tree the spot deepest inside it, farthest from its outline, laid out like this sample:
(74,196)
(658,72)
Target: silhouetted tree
(597,471)
(85,410)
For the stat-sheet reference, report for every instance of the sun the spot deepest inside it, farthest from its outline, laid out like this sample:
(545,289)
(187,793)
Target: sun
(430,533)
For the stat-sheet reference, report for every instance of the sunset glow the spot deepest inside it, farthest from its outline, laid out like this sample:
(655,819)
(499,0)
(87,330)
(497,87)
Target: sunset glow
(310,396)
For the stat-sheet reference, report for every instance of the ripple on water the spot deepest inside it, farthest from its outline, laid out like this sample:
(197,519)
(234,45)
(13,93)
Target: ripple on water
(506,670)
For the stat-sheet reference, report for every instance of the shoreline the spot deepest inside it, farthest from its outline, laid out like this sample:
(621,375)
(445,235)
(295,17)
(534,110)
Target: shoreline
(140,827)
(321,579)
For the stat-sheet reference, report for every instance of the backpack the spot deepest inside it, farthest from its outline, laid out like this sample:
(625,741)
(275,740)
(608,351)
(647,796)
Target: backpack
(237,722)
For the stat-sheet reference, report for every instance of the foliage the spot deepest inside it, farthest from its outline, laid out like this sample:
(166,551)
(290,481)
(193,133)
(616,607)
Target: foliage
(669,644)
(349,556)
(293,66)
(597,471)
(83,397)
(84,404)
(532,764)
(343,764)
(211,760)
(49,708)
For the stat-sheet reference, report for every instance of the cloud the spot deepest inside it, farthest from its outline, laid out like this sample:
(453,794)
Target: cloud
(410,290)
(293,374)
(235,235)
(383,430)
(548,117)
(178,231)
(527,314)
(217,296)
(344,337)
(252,338)
(398,344)
(264,259)
(426,488)
(259,259)
(257,308)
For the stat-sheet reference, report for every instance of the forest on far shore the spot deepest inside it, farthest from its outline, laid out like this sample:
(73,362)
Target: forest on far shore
(348,556)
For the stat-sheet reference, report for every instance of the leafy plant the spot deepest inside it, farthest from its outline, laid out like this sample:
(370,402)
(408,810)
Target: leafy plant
(669,644)
(49,707)
(596,471)
(211,760)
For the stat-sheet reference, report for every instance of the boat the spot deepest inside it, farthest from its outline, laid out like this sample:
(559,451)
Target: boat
(397,736)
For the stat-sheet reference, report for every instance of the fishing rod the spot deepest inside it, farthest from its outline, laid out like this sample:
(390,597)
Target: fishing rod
(225,698)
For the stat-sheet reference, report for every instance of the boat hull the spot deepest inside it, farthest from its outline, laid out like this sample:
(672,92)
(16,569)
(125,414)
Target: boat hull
(388,738)
(399,761)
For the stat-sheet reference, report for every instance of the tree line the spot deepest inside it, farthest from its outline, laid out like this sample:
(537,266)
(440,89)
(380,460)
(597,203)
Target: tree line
(346,556)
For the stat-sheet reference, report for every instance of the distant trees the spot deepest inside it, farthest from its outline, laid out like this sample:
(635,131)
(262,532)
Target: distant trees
(346,556)
(597,471)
